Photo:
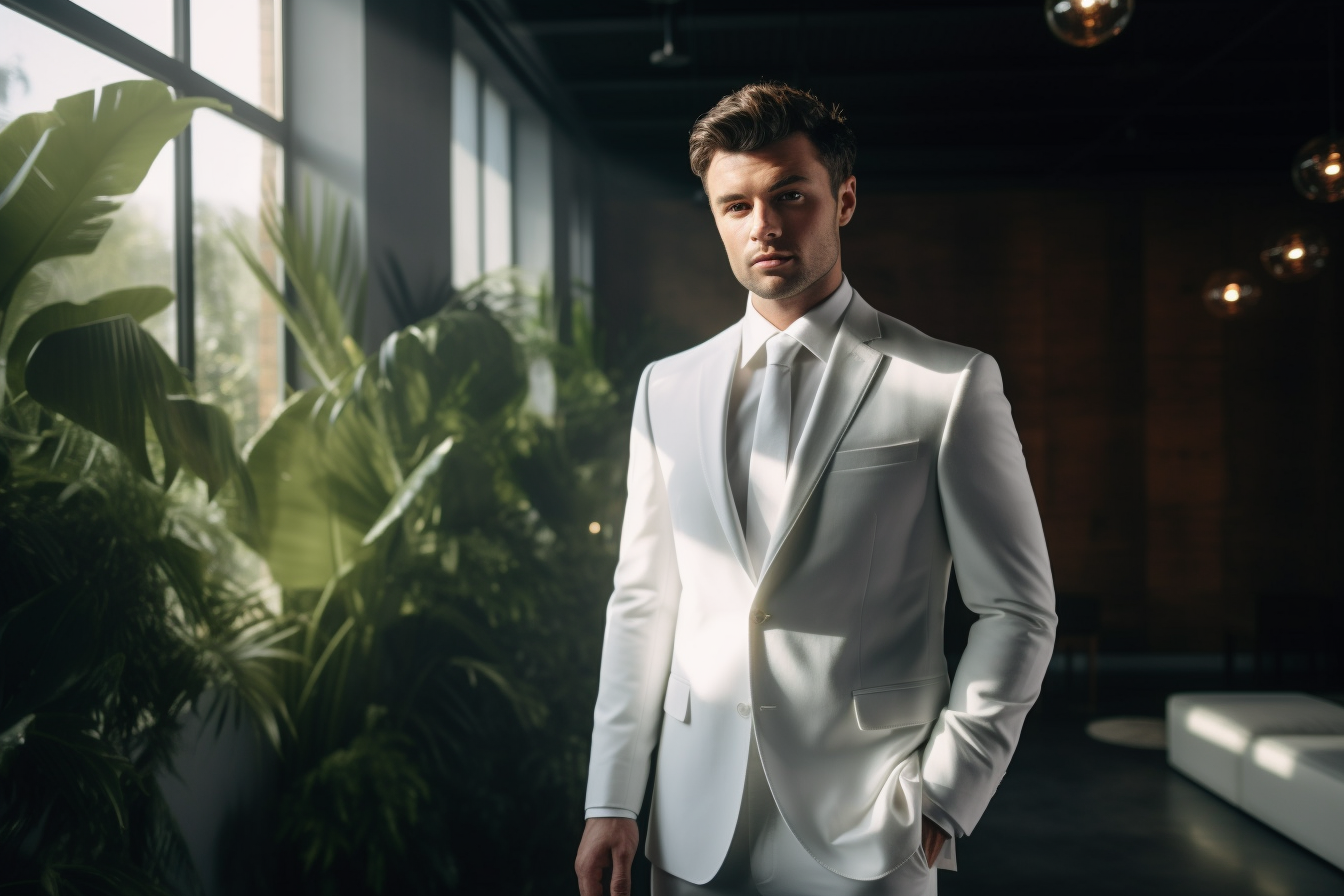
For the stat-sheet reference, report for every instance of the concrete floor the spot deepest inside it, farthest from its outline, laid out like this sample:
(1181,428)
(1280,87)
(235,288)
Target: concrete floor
(1075,816)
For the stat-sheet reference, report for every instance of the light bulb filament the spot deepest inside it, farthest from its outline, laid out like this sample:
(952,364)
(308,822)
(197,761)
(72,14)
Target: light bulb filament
(1296,252)
(1231,293)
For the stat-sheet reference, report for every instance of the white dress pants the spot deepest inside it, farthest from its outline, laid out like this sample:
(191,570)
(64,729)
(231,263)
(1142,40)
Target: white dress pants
(765,859)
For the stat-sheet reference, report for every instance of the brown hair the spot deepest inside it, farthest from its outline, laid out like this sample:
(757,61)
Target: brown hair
(760,114)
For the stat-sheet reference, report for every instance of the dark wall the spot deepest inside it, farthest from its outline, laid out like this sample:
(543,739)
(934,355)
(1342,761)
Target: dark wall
(1182,464)
(408,63)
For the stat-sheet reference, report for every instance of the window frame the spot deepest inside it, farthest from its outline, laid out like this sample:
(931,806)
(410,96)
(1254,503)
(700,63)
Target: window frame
(78,23)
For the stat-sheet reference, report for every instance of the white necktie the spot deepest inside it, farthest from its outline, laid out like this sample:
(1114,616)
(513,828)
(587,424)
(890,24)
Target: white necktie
(770,447)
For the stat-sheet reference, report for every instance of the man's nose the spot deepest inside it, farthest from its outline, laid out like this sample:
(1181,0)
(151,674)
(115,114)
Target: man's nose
(765,224)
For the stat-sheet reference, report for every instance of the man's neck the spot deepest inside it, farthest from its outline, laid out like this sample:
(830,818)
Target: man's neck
(783,312)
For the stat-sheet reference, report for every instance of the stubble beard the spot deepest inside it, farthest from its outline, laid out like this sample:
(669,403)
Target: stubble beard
(779,288)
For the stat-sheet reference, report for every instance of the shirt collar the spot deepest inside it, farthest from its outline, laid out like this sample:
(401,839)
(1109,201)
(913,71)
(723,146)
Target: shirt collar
(816,329)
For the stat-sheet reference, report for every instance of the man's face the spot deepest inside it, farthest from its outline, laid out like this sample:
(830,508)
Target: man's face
(777,216)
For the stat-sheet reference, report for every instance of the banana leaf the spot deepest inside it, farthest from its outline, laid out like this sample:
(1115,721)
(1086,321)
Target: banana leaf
(297,532)
(107,376)
(140,302)
(61,171)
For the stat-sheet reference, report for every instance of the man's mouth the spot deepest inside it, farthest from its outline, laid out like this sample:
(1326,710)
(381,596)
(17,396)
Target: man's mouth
(772,260)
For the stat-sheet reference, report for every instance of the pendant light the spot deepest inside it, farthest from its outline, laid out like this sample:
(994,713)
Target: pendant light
(1086,23)
(1297,255)
(1230,293)
(667,56)
(1318,168)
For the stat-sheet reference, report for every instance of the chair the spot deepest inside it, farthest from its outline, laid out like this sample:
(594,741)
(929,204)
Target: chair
(1079,630)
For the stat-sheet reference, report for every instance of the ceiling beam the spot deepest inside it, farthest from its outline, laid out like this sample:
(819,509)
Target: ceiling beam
(1111,74)
(907,16)
(653,22)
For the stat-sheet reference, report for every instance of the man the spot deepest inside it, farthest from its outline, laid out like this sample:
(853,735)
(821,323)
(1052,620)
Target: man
(799,487)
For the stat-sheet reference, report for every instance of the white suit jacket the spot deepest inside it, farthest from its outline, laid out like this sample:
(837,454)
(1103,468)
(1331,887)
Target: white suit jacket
(908,463)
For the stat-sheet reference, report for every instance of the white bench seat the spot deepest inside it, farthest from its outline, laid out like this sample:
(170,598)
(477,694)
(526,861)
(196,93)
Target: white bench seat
(1209,734)
(1295,784)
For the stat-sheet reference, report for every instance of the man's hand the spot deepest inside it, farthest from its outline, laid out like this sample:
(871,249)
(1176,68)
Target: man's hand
(932,837)
(608,843)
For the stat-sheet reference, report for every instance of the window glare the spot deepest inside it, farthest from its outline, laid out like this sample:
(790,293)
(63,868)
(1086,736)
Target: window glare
(41,66)
(236,44)
(148,20)
(465,161)
(533,204)
(496,182)
(236,173)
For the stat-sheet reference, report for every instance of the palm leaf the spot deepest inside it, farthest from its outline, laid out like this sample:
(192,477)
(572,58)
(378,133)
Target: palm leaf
(61,182)
(323,262)
(409,490)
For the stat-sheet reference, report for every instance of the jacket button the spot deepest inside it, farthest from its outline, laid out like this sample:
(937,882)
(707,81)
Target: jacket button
(759,616)
(743,710)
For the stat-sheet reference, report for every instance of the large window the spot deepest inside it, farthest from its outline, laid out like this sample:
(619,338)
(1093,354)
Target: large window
(501,180)
(174,231)
(482,172)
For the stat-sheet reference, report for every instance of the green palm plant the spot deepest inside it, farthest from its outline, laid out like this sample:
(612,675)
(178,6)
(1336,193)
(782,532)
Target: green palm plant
(121,604)
(431,530)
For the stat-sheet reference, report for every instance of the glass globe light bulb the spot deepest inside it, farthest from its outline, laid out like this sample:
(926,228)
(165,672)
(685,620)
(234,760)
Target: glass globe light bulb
(1230,293)
(1318,169)
(1297,255)
(1086,23)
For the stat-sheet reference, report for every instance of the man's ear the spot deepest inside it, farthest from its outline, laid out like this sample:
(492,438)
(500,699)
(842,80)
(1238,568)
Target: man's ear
(846,199)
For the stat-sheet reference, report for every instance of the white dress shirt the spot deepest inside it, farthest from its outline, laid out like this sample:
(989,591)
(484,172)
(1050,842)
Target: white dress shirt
(815,331)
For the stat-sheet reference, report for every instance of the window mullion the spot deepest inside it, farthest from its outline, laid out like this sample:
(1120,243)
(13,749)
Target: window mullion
(185,213)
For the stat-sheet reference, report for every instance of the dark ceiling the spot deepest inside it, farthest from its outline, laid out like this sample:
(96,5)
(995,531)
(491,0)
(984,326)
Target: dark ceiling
(955,90)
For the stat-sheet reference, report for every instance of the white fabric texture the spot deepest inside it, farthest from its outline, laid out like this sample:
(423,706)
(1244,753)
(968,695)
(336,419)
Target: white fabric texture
(907,462)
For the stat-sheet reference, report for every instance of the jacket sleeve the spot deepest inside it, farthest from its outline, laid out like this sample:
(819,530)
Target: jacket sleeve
(641,621)
(998,550)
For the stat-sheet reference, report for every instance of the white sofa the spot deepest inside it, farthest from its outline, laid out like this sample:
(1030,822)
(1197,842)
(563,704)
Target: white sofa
(1277,756)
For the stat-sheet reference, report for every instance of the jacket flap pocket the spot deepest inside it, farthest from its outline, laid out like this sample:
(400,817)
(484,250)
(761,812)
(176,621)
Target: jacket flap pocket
(900,705)
(677,703)
(881,456)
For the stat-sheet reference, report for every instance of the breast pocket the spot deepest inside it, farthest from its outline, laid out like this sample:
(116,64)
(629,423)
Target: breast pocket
(879,456)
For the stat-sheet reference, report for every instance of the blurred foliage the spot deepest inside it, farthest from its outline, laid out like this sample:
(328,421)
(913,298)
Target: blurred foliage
(427,509)
(230,372)
(121,608)
(121,604)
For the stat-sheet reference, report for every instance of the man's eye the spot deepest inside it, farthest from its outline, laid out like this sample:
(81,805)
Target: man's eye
(737,207)
(791,196)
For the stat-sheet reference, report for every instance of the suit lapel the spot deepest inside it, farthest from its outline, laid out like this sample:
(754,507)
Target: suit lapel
(716,382)
(849,373)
